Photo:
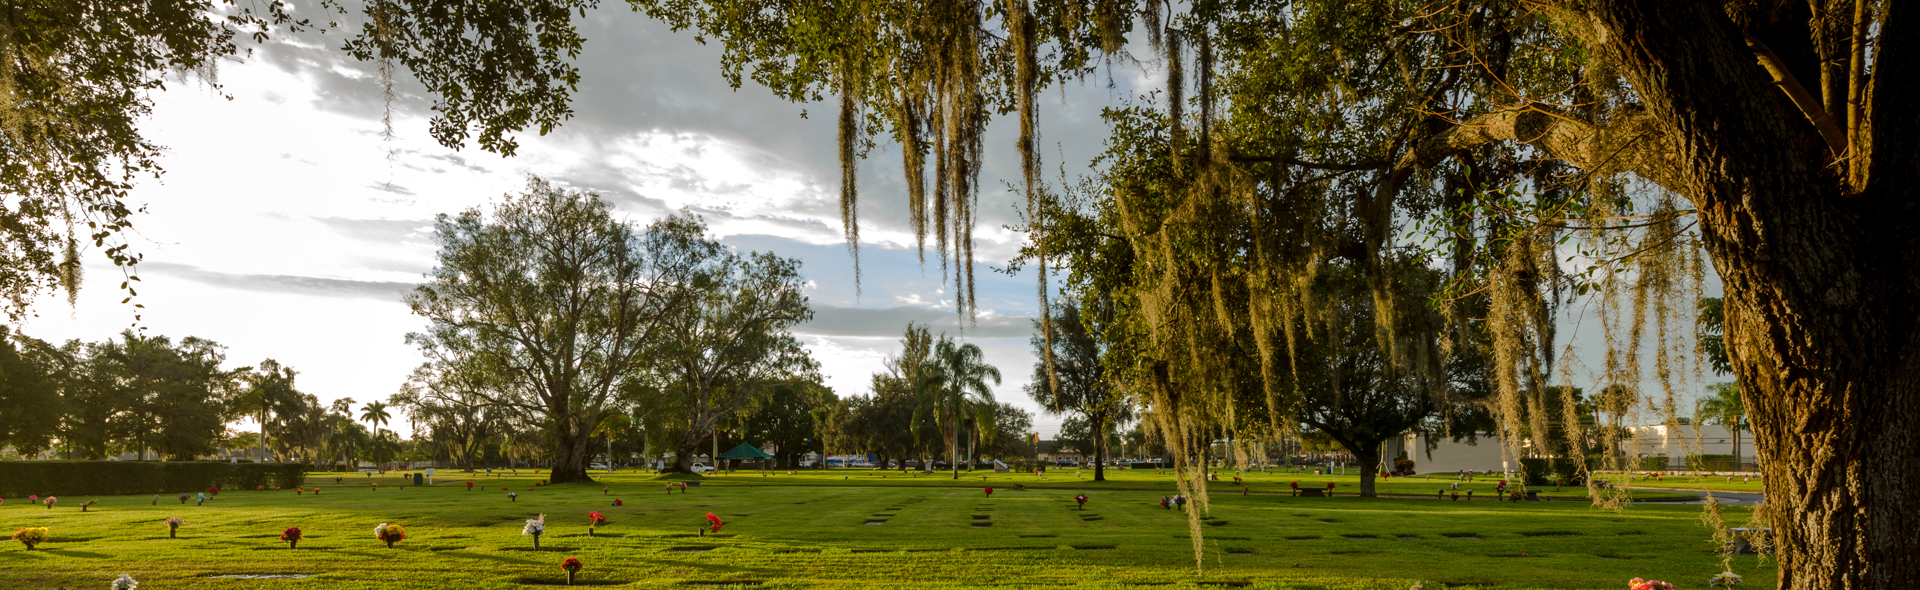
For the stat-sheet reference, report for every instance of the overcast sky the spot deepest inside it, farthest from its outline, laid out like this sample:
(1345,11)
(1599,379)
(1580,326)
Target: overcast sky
(286,228)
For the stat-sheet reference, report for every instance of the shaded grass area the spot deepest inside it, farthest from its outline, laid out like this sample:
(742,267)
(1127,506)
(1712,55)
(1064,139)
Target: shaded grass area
(1722,483)
(1278,482)
(808,533)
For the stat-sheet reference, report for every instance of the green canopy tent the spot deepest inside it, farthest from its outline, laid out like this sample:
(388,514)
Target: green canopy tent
(744,451)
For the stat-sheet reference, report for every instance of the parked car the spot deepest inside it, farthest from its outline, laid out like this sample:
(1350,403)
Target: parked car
(701,468)
(597,466)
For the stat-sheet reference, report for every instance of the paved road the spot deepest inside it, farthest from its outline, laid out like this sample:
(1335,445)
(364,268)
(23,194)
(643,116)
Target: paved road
(1730,498)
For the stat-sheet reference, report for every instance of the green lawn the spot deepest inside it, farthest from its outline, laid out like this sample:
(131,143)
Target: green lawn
(811,532)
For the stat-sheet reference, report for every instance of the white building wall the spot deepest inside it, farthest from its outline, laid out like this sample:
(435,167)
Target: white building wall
(1676,442)
(1483,454)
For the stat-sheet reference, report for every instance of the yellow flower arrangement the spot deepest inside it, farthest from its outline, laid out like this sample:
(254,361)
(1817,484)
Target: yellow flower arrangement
(31,536)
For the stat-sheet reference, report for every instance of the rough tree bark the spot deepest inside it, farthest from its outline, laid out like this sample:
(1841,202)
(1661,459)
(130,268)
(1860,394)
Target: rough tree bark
(1817,255)
(1099,445)
(1820,283)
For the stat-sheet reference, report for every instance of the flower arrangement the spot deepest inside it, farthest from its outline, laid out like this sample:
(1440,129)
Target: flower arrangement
(316,491)
(125,582)
(617,502)
(572,565)
(605,491)
(183,498)
(1082,499)
(1639,584)
(469,486)
(389,534)
(989,491)
(173,525)
(299,491)
(89,504)
(713,520)
(213,491)
(594,518)
(1724,580)
(291,536)
(34,498)
(260,489)
(50,501)
(200,499)
(32,536)
(513,496)
(376,486)
(535,527)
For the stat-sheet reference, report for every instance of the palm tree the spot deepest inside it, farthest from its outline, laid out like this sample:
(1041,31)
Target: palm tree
(950,389)
(271,390)
(1723,407)
(375,413)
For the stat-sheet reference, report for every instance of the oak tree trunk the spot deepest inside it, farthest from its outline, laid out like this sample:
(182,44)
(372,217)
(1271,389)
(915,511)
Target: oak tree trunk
(1370,461)
(1099,446)
(1822,293)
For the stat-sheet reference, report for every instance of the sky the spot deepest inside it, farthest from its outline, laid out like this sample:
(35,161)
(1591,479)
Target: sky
(287,227)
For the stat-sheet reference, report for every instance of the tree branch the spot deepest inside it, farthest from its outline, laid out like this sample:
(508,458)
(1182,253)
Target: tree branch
(1809,105)
(1629,143)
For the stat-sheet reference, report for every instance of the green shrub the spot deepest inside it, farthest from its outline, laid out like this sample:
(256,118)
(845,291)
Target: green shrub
(1534,471)
(1653,463)
(1546,472)
(107,478)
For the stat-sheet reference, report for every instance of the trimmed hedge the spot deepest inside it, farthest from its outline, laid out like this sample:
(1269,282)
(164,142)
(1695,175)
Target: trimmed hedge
(110,478)
(1712,463)
(1654,463)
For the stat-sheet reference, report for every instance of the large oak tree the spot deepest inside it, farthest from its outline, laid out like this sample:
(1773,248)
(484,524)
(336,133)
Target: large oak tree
(559,301)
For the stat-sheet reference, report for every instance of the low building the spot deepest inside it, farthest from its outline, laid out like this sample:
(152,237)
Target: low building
(1677,441)
(1481,453)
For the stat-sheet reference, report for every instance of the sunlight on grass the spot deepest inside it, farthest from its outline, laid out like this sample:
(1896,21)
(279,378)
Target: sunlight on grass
(812,531)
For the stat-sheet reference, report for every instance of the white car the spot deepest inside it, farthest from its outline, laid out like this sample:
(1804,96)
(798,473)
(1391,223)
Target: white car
(700,468)
(599,466)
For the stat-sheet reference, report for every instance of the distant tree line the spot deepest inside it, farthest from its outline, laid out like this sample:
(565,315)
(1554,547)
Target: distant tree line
(157,398)
(930,402)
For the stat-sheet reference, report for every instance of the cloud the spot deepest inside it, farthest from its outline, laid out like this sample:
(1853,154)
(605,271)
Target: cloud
(386,231)
(298,285)
(391,188)
(830,320)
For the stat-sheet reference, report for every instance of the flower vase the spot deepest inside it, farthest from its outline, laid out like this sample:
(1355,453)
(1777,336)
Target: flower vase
(569,577)
(589,531)
(172,531)
(536,542)
(294,544)
(389,544)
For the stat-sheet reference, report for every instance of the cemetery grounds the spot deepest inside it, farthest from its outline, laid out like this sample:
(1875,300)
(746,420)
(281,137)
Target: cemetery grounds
(848,528)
